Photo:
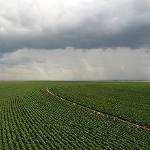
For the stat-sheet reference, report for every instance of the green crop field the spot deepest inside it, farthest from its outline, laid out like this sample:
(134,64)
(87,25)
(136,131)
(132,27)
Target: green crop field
(74,115)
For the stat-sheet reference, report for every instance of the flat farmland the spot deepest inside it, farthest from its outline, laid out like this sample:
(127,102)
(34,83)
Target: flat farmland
(74,115)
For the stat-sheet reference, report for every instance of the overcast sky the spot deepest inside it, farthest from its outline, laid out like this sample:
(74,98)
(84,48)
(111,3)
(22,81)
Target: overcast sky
(75,39)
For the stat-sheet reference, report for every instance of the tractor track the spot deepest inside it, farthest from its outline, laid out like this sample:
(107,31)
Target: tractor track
(100,113)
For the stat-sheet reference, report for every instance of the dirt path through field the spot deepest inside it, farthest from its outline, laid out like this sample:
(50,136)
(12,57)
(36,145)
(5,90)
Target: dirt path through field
(100,113)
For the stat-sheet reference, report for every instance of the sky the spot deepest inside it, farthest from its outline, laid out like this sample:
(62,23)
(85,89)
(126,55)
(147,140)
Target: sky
(75,40)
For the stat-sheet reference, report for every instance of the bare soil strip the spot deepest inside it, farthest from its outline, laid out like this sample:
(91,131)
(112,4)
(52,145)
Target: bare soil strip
(100,113)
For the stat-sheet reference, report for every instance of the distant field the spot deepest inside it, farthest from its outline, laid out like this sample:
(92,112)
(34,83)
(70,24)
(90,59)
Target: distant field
(74,115)
(130,101)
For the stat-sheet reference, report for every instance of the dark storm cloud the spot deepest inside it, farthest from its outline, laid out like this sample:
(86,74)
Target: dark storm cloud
(133,37)
(80,24)
(75,39)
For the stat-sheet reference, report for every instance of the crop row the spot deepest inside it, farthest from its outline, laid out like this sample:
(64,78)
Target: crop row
(129,101)
(41,121)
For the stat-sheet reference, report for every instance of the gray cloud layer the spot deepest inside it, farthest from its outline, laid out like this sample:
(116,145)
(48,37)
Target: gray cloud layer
(76,64)
(35,34)
(85,24)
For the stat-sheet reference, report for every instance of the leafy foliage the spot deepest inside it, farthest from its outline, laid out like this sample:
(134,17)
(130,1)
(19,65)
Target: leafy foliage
(33,119)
